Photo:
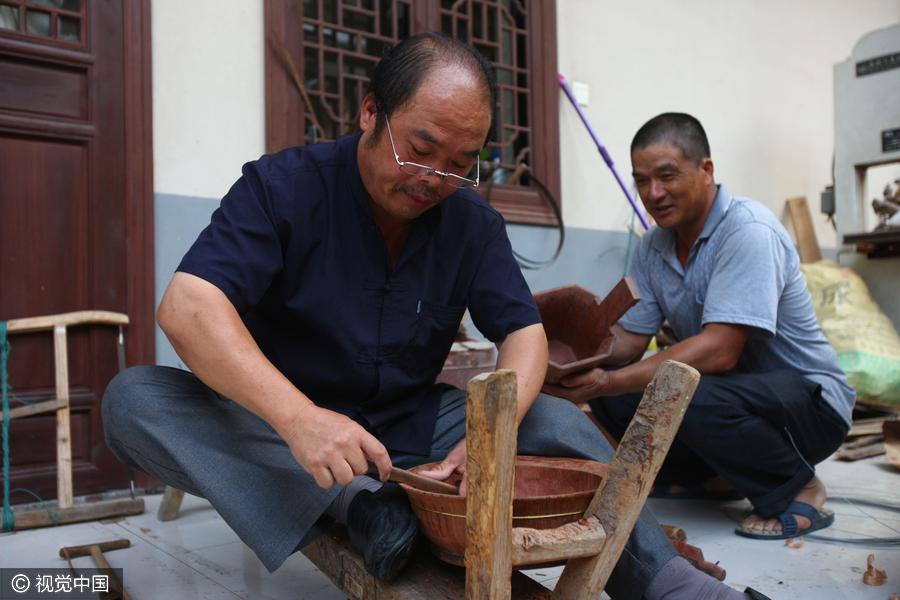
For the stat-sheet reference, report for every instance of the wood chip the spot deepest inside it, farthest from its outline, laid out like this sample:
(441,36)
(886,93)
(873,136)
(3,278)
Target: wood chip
(873,576)
(794,542)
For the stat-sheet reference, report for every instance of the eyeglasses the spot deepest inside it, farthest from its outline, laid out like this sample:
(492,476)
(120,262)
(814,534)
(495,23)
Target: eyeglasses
(411,168)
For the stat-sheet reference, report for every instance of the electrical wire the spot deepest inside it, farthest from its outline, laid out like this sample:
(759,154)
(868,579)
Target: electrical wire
(524,262)
(856,503)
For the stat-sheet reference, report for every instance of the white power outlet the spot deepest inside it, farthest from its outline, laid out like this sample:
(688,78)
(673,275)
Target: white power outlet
(582,92)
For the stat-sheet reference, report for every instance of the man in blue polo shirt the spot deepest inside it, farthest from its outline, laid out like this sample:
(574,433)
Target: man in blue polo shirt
(315,313)
(772,400)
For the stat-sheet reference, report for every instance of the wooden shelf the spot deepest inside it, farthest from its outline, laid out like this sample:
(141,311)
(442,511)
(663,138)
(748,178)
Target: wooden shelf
(877,244)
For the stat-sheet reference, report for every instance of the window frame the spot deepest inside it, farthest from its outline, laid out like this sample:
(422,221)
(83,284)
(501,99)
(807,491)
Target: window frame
(519,204)
(54,14)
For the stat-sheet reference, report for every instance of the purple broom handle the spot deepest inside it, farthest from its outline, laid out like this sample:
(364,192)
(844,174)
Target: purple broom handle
(606,157)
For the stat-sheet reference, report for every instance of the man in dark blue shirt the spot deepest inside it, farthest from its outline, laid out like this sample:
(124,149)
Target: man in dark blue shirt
(316,311)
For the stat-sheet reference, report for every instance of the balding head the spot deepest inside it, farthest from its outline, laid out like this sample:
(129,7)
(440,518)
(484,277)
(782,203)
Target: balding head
(404,67)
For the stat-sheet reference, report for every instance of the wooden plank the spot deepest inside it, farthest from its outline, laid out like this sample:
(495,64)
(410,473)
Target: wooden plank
(48,322)
(631,473)
(36,408)
(491,404)
(85,550)
(861,452)
(170,504)
(573,540)
(807,244)
(63,428)
(866,427)
(425,578)
(880,406)
(892,441)
(78,514)
(861,441)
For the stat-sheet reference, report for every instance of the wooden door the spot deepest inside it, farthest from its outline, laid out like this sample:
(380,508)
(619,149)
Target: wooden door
(75,216)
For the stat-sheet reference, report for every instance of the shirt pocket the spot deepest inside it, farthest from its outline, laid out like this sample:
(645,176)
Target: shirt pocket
(435,330)
(696,315)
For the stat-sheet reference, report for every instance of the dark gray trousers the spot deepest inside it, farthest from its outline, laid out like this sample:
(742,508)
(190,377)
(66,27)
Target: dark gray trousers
(168,424)
(745,428)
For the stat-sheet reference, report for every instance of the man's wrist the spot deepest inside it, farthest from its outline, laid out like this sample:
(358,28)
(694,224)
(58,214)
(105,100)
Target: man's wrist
(613,380)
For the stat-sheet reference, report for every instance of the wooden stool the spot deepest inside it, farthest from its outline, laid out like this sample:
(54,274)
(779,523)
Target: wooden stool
(493,547)
(67,512)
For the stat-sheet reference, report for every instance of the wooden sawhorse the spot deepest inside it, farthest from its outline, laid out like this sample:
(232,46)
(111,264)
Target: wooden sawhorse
(591,546)
(66,513)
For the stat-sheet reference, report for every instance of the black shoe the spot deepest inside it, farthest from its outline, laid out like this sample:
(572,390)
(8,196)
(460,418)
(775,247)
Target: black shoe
(383,527)
(755,595)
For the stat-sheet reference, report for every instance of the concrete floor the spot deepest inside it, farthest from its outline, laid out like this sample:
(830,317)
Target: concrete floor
(198,557)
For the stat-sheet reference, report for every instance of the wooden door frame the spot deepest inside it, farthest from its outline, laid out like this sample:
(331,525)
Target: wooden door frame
(140,256)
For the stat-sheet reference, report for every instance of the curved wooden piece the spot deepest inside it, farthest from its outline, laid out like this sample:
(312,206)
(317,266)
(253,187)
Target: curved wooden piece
(579,325)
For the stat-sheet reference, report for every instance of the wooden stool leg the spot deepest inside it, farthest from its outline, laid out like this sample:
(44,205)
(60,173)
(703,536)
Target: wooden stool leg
(63,426)
(627,484)
(491,402)
(170,504)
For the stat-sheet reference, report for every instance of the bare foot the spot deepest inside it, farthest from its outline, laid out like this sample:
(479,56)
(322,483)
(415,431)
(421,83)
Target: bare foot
(813,493)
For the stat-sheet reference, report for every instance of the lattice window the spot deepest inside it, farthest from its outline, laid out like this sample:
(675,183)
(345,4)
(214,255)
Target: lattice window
(333,45)
(341,44)
(58,20)
(497,30)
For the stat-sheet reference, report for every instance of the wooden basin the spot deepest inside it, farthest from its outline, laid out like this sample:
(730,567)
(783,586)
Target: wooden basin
(579,324)
(548,492)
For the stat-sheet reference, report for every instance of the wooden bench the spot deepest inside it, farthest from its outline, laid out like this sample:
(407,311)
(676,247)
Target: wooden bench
(591,547)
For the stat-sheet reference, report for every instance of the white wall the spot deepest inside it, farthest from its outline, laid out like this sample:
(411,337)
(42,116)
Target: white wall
(208,93)
(757,73)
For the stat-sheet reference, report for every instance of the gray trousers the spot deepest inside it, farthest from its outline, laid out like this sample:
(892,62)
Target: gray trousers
(166,423)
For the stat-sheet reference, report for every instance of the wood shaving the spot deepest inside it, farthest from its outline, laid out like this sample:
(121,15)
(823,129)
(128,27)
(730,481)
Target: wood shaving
(794,542)
(873,576)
